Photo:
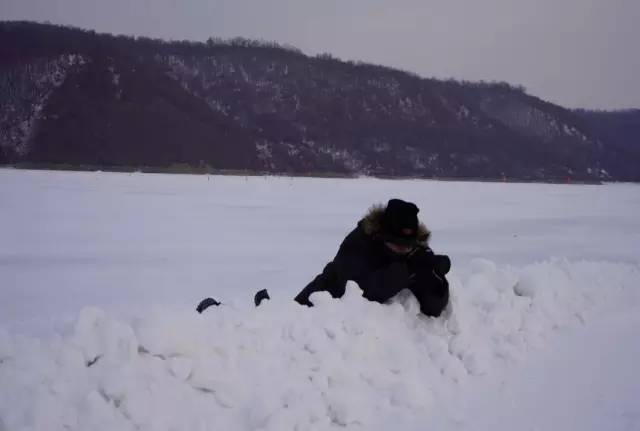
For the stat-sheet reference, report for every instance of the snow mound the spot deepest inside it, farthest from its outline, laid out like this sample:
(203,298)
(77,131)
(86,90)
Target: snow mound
(345,363)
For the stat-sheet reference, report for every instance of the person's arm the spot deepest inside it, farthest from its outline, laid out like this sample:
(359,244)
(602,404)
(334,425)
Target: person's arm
(432,292)
(329,280)
(333,278)
(380,285)
(384,283)
(428,282)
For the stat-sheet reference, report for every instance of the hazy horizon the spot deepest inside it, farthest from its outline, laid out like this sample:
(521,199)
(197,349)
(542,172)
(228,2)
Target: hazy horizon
(578,54)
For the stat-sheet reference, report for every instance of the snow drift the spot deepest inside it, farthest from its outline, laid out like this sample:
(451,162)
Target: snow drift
(348,363)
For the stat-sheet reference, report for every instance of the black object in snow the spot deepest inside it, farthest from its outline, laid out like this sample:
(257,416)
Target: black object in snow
(260,296)
(206,303)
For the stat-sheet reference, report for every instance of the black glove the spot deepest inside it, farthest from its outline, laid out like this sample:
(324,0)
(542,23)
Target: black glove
(420,259)
(423,259)
(441,264)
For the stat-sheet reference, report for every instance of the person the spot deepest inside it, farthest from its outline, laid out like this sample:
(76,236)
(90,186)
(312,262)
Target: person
(386,253)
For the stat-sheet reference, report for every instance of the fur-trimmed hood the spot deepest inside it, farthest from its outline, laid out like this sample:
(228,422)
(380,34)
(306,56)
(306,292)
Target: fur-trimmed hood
(372,224)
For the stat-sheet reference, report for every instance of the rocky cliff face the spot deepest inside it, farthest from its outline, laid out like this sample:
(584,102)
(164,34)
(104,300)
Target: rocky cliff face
(74,97)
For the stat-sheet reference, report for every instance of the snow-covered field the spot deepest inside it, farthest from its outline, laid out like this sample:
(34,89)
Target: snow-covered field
(100,273)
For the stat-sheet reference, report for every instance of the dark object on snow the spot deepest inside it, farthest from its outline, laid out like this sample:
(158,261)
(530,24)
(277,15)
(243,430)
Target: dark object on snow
(93,361)
(364,258)
(260,296)
(206,303)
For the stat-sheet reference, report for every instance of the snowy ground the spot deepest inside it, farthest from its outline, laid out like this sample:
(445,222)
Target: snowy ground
(100,273)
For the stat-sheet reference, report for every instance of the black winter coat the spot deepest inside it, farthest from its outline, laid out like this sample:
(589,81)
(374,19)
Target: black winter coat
(379,272)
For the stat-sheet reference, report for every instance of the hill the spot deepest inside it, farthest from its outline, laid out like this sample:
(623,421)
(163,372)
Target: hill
(75,97)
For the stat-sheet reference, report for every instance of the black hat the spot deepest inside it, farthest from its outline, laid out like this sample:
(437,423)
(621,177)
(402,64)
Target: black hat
(400,222)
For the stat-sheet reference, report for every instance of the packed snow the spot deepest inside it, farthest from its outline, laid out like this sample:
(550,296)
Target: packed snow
(101,273)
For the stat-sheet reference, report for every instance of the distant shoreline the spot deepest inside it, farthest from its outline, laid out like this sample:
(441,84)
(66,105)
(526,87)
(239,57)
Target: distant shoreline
(189,170)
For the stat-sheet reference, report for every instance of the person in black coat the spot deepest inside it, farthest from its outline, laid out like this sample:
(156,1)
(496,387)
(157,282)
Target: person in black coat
(387,252)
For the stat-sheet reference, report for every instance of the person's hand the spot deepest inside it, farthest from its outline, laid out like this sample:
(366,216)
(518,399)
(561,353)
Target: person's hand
(441,264)
(422,259)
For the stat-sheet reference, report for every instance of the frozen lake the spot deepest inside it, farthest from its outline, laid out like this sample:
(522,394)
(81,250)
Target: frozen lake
(128,240)
(537,269)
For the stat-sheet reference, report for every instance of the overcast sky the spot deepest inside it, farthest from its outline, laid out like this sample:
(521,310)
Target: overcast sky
(577,53)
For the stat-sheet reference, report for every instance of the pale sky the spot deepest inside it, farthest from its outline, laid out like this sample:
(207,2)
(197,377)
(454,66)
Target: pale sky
(577,53)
